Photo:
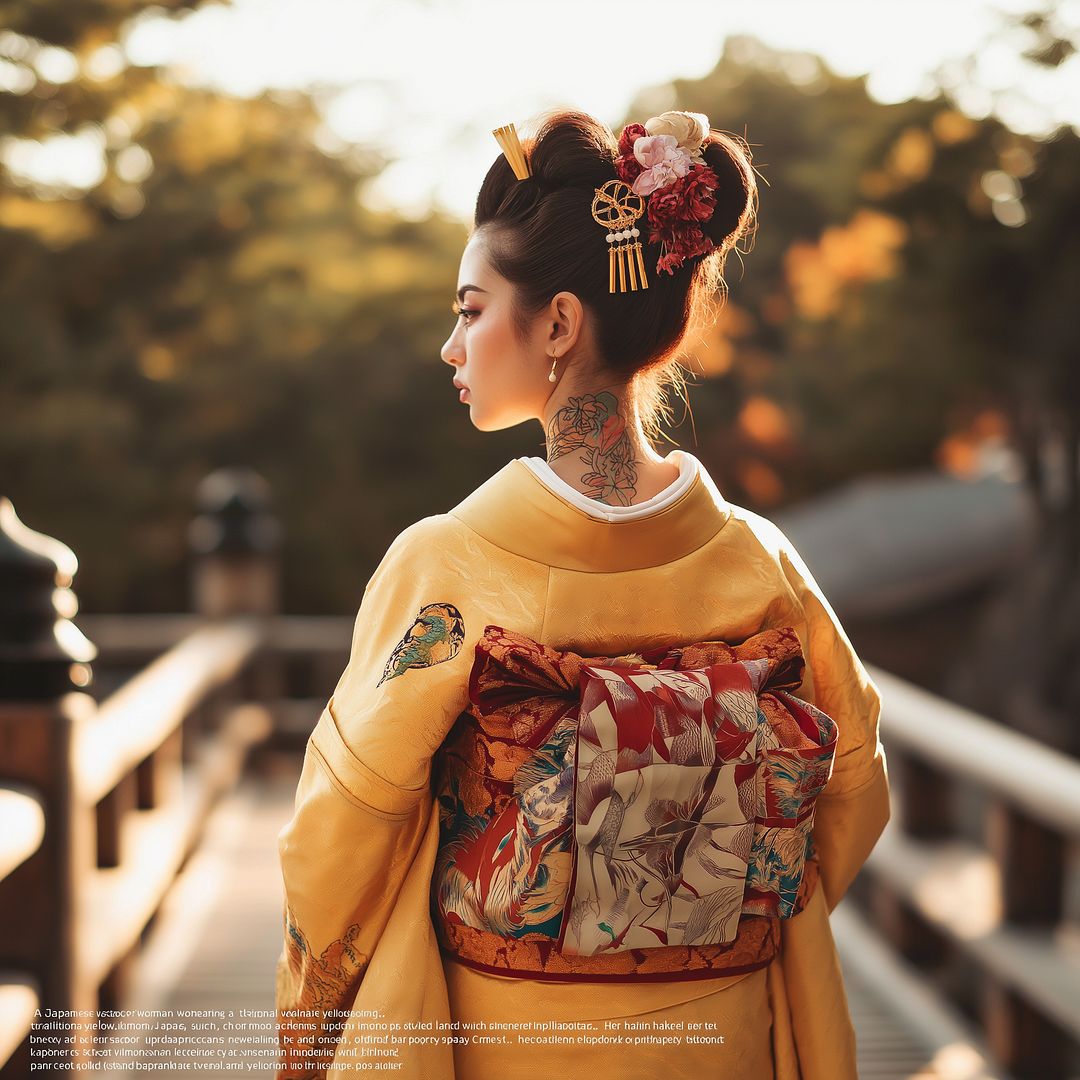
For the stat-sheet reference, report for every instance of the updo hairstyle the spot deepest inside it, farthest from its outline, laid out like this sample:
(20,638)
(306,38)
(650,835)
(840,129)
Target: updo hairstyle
(541,237)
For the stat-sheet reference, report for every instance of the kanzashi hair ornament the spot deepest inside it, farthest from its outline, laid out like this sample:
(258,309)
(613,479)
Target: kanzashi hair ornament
(617,207)
(510,142)
(661,175)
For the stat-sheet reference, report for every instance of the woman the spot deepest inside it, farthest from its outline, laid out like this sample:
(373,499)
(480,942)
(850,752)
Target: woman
(452,906)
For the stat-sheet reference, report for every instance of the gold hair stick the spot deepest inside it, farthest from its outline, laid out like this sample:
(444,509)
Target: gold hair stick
(511,146)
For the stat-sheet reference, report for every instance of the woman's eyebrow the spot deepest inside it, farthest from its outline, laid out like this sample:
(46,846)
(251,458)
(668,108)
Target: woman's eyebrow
(465,288)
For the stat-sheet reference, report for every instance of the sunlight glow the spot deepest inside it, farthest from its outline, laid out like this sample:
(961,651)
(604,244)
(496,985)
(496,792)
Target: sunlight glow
(105,63)
(134,164)
(56,65)
(959,1061)
(423,84)
(16,78)
(66,163)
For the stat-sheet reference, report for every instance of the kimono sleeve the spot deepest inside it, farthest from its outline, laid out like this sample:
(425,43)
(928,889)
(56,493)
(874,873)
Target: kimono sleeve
(853,808)
(360,841)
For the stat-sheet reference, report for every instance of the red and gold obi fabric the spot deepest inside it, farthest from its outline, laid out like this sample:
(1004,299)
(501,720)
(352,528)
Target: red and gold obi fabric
(647,815)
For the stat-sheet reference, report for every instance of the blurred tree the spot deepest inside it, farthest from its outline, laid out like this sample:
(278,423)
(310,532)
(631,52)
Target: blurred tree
(847,305)
(219,293)
(908,295)
(1016,310)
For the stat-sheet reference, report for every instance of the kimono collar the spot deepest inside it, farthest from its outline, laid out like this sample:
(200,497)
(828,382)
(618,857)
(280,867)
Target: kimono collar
(518,512)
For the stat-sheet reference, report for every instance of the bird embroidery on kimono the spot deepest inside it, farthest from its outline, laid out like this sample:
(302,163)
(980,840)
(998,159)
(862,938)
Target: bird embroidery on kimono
(434,637)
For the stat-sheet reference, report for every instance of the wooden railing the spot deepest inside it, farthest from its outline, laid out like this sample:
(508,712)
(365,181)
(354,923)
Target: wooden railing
(974,879)
(301,657)
(104,793)
(102,803)
(21,838)
(111,801)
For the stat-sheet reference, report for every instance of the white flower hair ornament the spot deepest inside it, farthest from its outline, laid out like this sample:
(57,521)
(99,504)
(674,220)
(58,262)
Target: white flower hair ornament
(672,146)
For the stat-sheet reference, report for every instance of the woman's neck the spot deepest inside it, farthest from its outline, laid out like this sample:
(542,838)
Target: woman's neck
(595,443)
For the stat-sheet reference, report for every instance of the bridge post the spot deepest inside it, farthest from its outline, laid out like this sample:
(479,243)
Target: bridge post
(44,670)
(1031,860)
(926,797)
(927,812)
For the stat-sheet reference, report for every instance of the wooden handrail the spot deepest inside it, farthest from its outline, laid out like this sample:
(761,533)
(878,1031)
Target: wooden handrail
(102,804)
(1043,782)
(19,1000)
(118,902)
(142,634)
(147,635)
(24,826)
(300,634)
(956,889)
(140,716)
(997,900)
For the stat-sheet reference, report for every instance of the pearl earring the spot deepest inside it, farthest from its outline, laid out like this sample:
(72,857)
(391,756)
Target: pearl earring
(552,377)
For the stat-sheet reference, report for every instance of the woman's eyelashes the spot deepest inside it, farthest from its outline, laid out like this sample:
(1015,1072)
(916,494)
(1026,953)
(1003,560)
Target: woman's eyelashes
(466,313)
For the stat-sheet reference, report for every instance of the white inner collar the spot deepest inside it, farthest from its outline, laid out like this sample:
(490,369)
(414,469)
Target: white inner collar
(689,467)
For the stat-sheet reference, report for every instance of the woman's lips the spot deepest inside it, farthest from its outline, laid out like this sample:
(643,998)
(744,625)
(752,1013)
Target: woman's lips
(463,393)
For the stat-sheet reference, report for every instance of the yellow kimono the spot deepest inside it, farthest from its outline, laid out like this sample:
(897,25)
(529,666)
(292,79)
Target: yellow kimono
(358,855)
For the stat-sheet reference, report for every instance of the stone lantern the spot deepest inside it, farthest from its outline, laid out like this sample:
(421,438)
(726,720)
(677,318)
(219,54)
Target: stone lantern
(234,542)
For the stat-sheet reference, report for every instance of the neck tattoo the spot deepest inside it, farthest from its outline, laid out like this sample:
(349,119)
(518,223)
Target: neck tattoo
(592,426)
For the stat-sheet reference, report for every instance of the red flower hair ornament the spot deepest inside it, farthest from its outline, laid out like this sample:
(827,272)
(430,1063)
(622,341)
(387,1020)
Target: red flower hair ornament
(662,159)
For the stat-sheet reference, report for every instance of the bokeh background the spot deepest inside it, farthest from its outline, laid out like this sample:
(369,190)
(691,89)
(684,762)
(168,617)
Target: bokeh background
(229,238)
(230,234)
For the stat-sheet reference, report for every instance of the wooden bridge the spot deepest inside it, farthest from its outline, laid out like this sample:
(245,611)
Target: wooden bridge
(140,810)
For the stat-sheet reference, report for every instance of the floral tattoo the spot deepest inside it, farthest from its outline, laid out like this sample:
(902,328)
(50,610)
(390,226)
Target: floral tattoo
(592,424)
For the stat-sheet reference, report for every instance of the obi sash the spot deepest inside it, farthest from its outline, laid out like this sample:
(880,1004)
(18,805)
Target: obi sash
(628,817)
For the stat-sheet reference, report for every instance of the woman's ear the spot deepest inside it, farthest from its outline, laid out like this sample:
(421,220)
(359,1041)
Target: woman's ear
(567,315)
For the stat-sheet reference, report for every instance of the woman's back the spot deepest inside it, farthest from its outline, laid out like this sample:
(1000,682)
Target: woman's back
(516,554)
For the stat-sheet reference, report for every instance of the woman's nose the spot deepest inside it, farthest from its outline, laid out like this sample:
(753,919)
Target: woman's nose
(451,351)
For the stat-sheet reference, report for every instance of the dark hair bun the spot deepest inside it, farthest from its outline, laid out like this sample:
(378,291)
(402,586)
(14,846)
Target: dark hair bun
(570,149)
(735,191)
(539,234)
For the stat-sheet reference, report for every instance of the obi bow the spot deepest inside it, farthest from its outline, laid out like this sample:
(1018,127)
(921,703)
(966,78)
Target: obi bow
(688,779)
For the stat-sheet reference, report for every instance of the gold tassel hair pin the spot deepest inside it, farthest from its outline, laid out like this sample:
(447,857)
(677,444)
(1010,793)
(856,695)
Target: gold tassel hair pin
(508,139)
(617,207)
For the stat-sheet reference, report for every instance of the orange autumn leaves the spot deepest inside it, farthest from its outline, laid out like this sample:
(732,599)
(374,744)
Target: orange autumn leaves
(844,256)
(817,275)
